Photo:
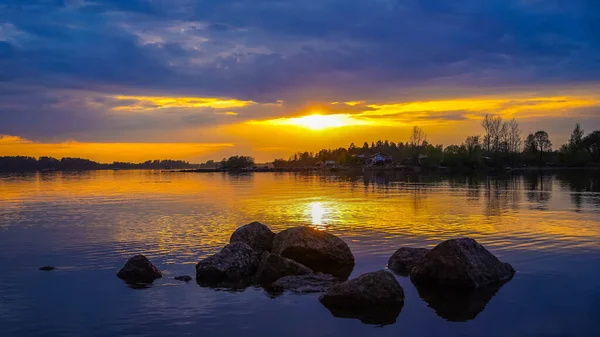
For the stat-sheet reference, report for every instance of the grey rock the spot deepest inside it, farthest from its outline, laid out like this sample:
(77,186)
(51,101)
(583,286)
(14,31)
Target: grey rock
(374,298)
(273,267)
(460,263)
(318,250)
(310,283)
(256,235)
(47,268)
(139,269)
(232,267)
(184,278)
(405,258)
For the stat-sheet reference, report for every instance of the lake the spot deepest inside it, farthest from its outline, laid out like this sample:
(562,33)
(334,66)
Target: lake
(547,225)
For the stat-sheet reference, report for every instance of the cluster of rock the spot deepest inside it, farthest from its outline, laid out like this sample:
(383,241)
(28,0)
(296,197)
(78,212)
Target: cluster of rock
(457,277)
(256,255)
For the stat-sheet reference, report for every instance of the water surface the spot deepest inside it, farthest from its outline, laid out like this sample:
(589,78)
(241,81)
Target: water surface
(88,223)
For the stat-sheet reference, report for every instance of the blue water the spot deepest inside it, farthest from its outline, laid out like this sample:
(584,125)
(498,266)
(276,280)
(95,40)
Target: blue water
(87,224)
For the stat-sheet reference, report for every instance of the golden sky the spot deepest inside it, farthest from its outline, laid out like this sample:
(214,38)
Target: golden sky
(202,128)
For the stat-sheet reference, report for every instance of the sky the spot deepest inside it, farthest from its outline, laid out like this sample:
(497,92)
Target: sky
(132,80)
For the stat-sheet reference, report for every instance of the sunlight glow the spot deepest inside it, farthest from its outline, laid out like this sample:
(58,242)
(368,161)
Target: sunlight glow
(316,121)
(108,152)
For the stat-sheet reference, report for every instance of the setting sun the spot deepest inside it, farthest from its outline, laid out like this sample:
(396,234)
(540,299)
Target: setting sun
(316,121)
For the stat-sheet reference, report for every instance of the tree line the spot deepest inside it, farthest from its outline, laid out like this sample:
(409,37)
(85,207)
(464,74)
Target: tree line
(23,163)
(501,145)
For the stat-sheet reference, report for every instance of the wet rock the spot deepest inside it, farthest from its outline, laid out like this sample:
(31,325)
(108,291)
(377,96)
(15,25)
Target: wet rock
(47,268)
(457,305)
(460,263)
(139,269)
(318,250)
(374,298)
(184,278)
(405,258)
(256,235)
(232,267)
(273,267)
(310,283)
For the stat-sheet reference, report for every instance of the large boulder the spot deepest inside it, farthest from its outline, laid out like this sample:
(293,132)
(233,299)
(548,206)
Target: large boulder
(273,267)
(318,250)
(139,269)
(256,235)
(405,258)
(232,267)
(460,263)
(309,283)
(374,298)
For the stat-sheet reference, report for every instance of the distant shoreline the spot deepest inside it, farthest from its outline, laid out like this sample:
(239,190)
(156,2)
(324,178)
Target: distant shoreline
(406,169)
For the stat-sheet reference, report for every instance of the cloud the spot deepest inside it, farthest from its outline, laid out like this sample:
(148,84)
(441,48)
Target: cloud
(144,103)
(72,69)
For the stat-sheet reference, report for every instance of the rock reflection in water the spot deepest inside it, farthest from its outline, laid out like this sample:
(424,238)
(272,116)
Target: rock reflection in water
(381,315)
(458,305)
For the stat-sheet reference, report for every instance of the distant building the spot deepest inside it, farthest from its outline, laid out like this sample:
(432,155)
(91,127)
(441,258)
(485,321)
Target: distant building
(378,159)
(329,163)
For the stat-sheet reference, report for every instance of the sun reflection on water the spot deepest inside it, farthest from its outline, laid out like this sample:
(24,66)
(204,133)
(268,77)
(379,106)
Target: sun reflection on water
(317,213)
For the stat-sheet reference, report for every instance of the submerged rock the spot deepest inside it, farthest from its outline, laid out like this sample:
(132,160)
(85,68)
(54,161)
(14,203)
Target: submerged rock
(318,250)
(374,298)
(184,278)
(47,268)
(273,267)
(405,258)
(139,269)
(309,283)
(460,263)
(232,267)
(256,235)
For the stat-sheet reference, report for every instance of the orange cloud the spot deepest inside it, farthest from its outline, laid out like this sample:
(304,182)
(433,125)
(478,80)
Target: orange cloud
(149,103)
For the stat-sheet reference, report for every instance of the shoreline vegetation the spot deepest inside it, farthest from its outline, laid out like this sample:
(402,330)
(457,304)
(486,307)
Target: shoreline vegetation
(500,148)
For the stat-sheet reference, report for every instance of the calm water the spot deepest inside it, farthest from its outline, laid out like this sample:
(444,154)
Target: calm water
(88,224)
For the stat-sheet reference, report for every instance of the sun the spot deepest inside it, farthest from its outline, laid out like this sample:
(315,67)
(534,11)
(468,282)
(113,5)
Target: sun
(317,122)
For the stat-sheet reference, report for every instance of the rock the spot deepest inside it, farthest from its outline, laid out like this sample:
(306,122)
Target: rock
(256,235)
(232,267)
(460,263)
(374,298)
(184,278)
(139,269)
(405,258)
(310,283)
(273,267)
(318,250)
(47,268)
(457,305)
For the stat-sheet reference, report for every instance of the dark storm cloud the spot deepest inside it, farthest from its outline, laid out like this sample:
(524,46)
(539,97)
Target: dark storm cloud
(265,50)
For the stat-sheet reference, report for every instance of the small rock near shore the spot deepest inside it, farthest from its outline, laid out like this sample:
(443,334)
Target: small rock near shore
(47,268)
(374,298)
(184,278)
(232,267)
(256,235)
(405,258)
(139,269)
(460,263)
(273,267)
(318,250)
